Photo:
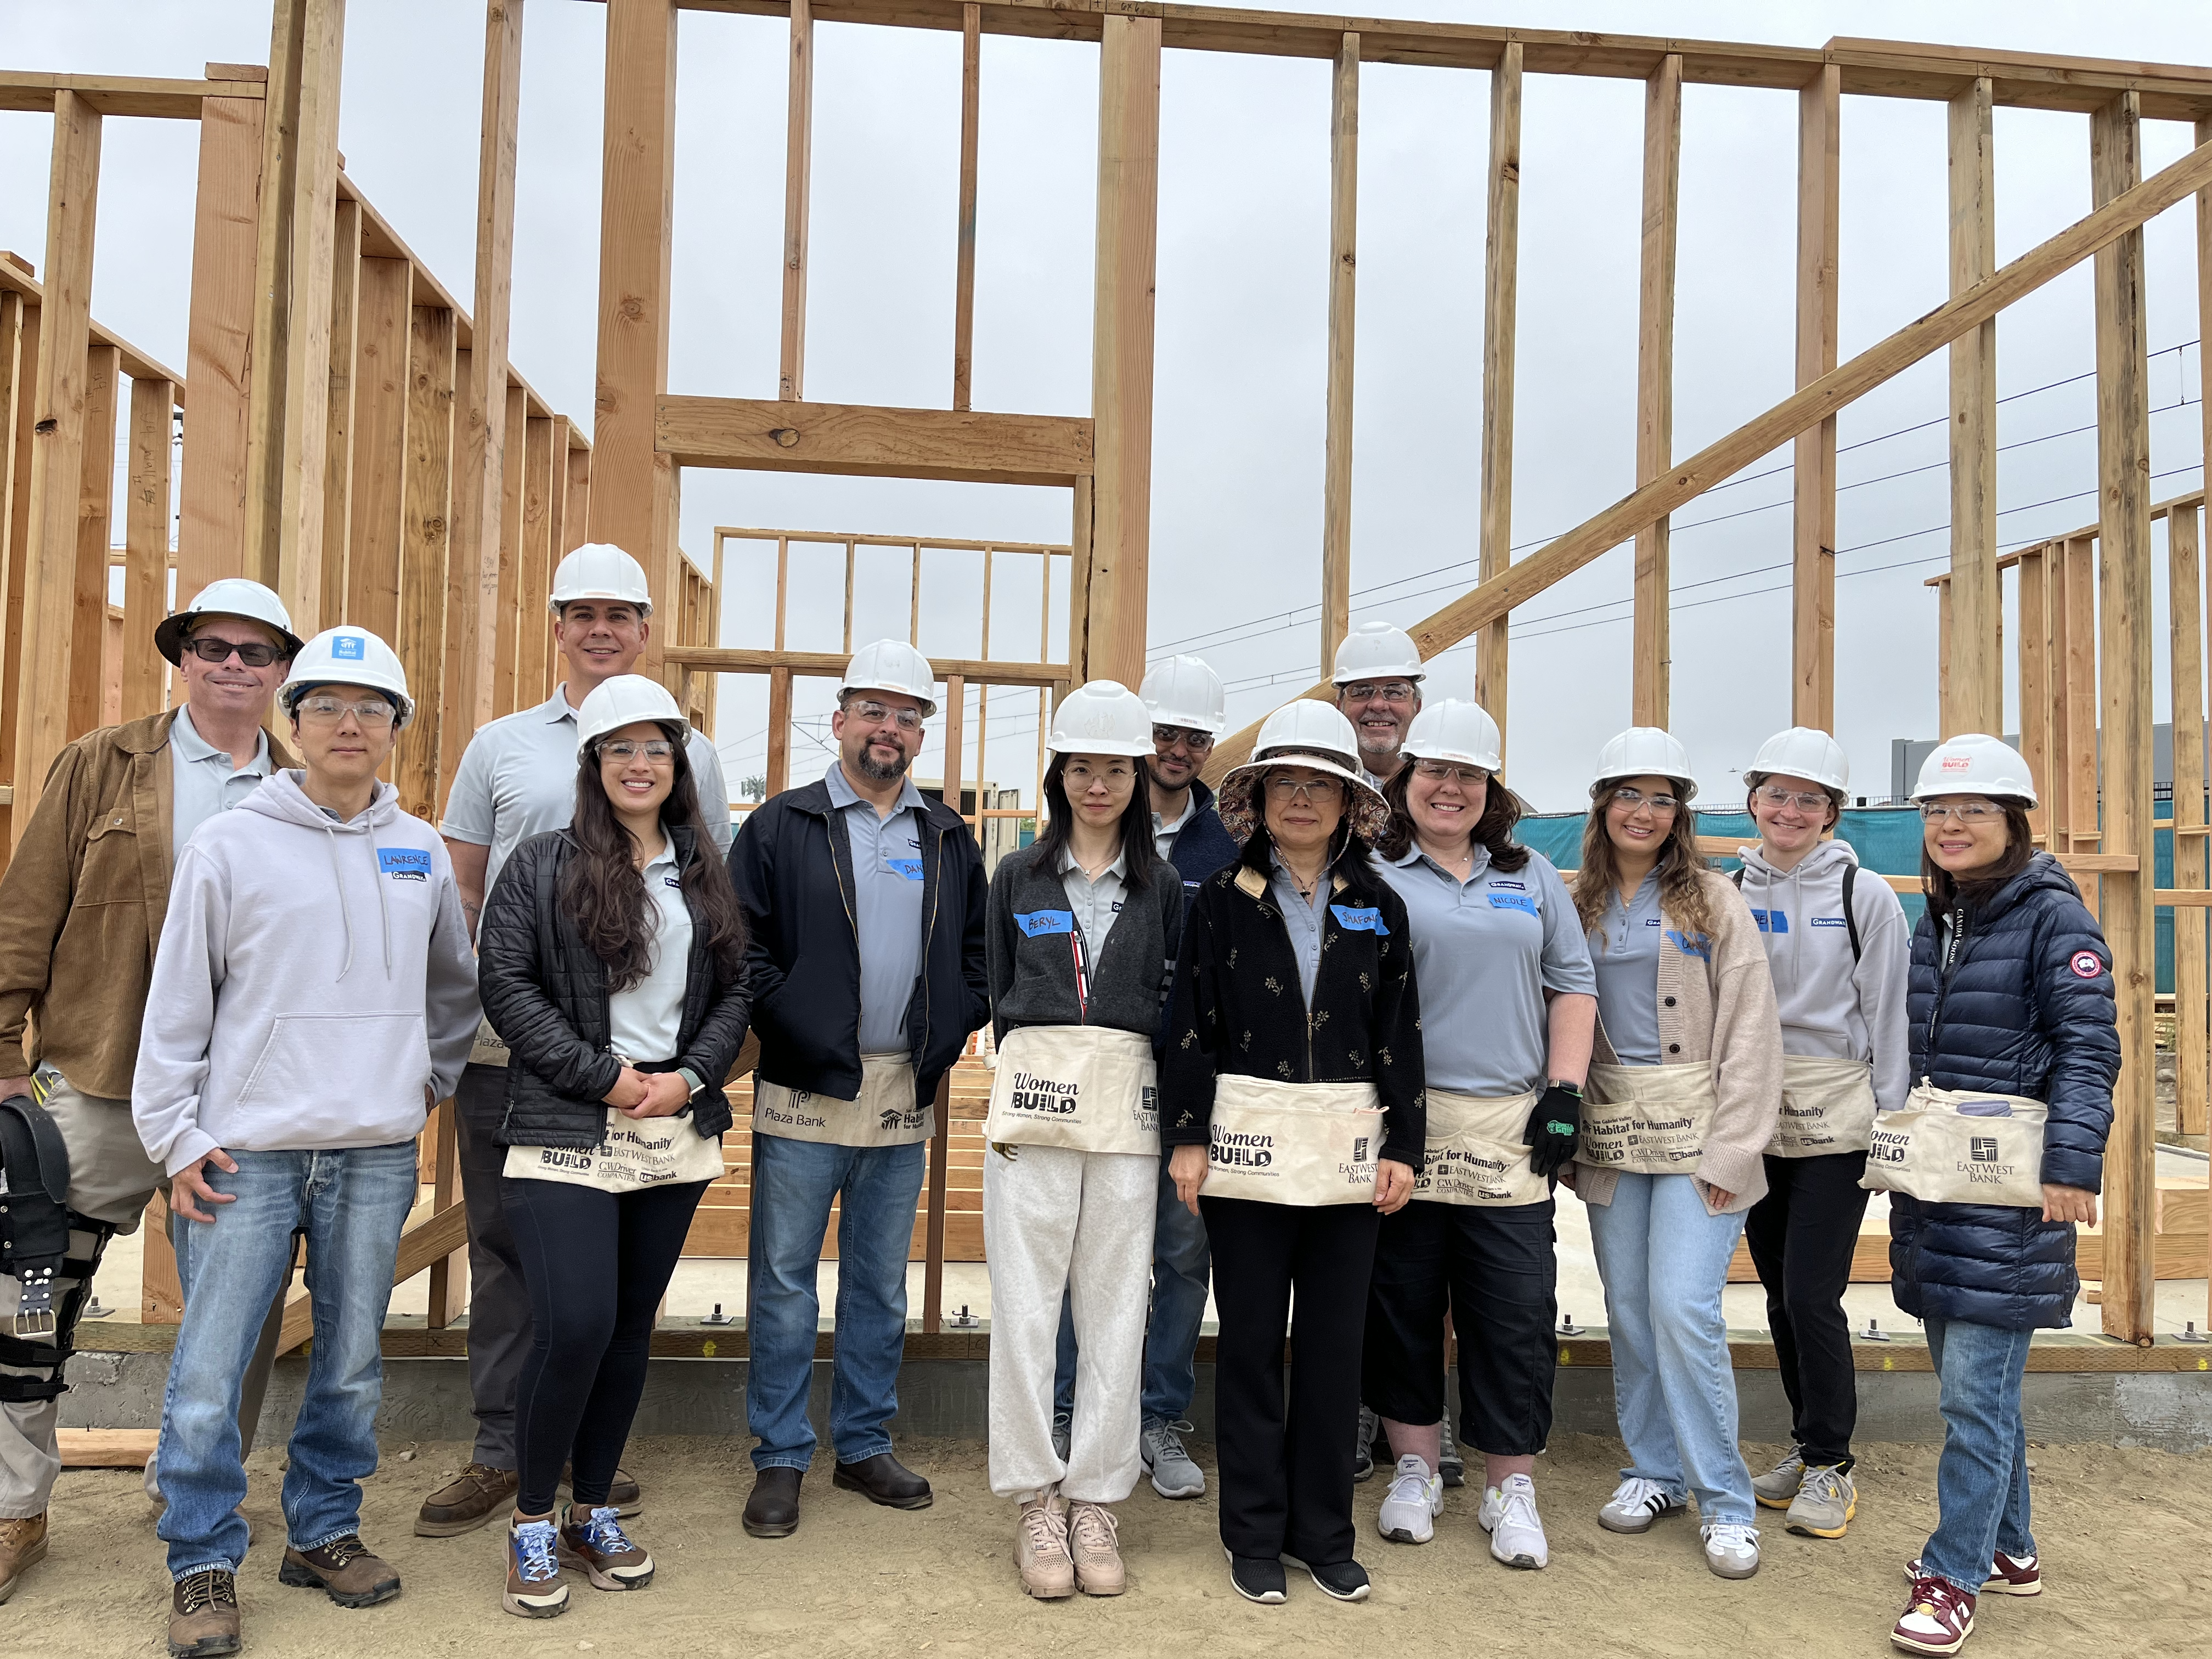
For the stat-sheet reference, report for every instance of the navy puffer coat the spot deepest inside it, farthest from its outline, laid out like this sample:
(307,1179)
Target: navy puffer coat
(2022,1007)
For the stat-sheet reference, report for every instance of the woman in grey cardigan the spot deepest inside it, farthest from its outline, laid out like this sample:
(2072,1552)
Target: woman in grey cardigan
(1081,935)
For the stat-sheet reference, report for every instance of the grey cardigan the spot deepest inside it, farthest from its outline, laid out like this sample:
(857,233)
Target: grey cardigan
(1032,967)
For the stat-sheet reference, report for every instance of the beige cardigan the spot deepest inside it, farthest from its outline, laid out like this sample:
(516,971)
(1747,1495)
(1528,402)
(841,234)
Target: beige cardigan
(1718,1008)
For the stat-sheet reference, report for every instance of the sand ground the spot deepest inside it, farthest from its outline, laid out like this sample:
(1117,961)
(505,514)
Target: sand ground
(2124,1538)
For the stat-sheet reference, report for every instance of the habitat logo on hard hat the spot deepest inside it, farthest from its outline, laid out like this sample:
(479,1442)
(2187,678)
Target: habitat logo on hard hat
(348,648)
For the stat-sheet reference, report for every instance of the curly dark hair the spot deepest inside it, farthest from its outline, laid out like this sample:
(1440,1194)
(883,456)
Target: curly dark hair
(1501,811)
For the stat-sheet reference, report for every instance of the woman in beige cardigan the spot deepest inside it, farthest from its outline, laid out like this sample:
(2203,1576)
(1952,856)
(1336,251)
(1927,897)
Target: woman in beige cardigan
(1684,1094)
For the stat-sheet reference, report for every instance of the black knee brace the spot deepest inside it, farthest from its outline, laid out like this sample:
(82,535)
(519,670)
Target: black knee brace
(30,1369)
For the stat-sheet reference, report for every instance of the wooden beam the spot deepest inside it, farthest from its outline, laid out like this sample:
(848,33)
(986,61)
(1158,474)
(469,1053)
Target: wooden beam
(2192,1035)
(797,172)
(2058,801)
(337,455)
(1813,510)
(2035,684)
(146,545)
(33,90)
(424,546)
(1501,263)
(18,333)
(1655,381)
(506,616)
(867,442)
(383,386)
(830,664)
(106,1449)
(1122,344)
(448,1273)
(779,730)
(58,435)
(1343,282)
(963,275)
(95,509)
(1977,695)
(2125,640)
(226,217)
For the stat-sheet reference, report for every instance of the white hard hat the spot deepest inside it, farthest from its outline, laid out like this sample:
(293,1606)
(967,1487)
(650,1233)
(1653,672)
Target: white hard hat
(233,595)
(600,570)
(1975,763)
(347,655)
(1642,751)
(1185,691)
(1378,650)
(1102,717)
(1457,731)
(894,666)
(1805,752)
(621,699)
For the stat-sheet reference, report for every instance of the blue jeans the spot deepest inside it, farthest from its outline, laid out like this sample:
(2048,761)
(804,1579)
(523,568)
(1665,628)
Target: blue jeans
(351,1205)
(793,1183)
(1181,1267)
(1981,1480)
(1664,1260)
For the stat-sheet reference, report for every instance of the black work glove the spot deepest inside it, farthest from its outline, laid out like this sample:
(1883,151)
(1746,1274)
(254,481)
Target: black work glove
(1554,1130)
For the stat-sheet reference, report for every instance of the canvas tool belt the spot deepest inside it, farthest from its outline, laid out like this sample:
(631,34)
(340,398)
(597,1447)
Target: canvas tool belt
(1293,1143)
(1087,1088)
(637,1153)
(1948,1146)
(1475,1153)
(885,1113)
(490,1048)
(1827,1106)
(1647,1120)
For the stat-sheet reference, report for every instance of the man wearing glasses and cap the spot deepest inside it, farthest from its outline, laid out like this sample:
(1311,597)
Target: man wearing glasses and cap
(85,898)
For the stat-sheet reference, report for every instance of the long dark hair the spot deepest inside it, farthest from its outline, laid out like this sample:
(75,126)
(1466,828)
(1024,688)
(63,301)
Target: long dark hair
(1946,892)
(1681,891)
(602,891)
(1137,852)
(1501,811)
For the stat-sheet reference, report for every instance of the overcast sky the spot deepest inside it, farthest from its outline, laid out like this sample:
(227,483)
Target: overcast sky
(1242,287)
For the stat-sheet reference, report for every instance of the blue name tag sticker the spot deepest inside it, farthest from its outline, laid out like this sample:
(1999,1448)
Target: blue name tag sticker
(1771,921)
(407,863)
(1698,946)
(1830,921)
(1513,901)
(910,868)
(349,648)
(1358,921)
(1045,922)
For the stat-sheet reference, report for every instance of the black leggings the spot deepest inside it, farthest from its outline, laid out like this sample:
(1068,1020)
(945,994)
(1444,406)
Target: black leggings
(1802,1237)
(597,1265)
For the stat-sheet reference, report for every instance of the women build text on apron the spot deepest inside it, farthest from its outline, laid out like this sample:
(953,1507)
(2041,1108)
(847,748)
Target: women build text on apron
(1647,1120)
(1475,1153)
(1293,1143)
(637,1153)
(1827,1106)
(1948,1146)
(885,1113)
(1087,1088)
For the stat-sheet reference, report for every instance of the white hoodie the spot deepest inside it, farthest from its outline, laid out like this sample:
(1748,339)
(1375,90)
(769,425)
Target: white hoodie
(1830,1008)
(313,978)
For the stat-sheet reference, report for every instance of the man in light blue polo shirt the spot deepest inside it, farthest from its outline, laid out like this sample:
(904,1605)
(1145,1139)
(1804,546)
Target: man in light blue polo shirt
(887,905)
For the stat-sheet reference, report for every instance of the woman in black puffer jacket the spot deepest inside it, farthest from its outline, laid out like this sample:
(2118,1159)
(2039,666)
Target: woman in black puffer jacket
(2011,1003)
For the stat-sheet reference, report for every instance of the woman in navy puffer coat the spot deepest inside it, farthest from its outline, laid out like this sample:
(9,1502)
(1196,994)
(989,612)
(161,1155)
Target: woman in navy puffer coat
(2010,994)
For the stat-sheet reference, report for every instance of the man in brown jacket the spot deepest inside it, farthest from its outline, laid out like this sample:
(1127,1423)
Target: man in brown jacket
(84,899)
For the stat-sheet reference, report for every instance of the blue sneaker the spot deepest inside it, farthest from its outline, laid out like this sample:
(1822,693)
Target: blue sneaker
(598,1548)
(534,1590)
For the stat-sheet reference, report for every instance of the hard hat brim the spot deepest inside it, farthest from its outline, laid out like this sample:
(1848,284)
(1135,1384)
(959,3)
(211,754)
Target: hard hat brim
(1343,678)
(1686,789)
(171,632)
(1128,749)
(643,607)
(1240,814)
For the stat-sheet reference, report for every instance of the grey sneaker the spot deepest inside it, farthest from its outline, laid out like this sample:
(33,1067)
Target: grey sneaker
(1776,1488)
(1825,1505)
(1363,1450)
(1060,1436)
(1174,1474)
(1449,1464)
(1636,1504)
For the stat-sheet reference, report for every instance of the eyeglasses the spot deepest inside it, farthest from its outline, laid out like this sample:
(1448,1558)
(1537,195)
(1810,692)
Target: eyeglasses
(253,652)
(1629,800)
(1969,813)
(1167,737)
(1372,692)
(1803,800)
(1306,789)
(369,711)
(658,751)
(1467,777)
(876,713)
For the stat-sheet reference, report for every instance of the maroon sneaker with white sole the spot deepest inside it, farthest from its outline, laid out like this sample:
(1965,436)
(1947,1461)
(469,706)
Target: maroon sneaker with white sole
(1938,1619)
(2008,1575)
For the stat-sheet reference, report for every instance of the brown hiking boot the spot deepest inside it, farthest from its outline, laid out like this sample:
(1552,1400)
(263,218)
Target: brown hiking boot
(1093,1540)
(204,1615)
(597,1547)
(472,1498)
(343,1569)
(23,1546)
(622,1492)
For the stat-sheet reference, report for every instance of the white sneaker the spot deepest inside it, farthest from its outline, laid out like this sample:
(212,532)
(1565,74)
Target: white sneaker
(1516,1532)
(1731,1549)
(1410,1508)
(1636,1504)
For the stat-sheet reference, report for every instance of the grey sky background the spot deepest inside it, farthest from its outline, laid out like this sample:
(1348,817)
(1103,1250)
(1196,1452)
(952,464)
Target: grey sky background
(1243,288)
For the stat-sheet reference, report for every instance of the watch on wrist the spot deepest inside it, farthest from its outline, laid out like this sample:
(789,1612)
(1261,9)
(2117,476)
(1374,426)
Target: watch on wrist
(691,1081)
(1574,1088)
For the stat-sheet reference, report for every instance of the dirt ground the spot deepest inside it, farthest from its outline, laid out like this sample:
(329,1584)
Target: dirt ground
(2124,1538)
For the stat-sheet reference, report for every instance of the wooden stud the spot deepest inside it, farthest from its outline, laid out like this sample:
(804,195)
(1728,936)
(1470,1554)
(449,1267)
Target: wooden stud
(457,659)
(338,418)
(269,353)
(914,601)
(1122,345)
(2035,683)
(1813,513)
(783,584)
(95,508)
(1343,275)
(161,1293)
(1943,643)
(24,331)
(146,543)
(218,361)
(2124,684)
(1500,322)
(424,574)
(1655,379)
(2192,1033)
(448,1273)
(2056,787)
(964,279)
(532,635)
(2081,699)
(851,561)
(1977,698)
(1079,585)
(576,529)
(56,446)
(537,620)
(779,730)
(508,605)
(15,375)
(797,170)
(382,387)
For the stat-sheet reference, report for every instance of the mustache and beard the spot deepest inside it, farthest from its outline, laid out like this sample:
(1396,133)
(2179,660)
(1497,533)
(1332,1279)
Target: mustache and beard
(875,767)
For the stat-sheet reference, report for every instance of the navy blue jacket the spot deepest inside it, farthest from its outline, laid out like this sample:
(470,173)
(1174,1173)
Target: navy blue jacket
(791,864)
(1201,846)
(2024,1006)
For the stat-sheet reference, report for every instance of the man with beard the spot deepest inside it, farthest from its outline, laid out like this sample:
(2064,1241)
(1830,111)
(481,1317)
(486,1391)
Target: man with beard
(864,902)
(1378,689)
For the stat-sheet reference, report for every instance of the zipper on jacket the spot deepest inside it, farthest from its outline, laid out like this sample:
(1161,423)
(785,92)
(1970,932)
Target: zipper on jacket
(1951,953)
(929,928)
(848,901)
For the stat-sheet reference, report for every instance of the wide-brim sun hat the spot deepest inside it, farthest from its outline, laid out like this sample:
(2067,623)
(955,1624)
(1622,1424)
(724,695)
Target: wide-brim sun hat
(1311,734)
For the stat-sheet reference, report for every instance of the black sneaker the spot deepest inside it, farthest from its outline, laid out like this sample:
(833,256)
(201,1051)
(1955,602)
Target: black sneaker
(1258,1579)
(1363,1445)
(1346,1581)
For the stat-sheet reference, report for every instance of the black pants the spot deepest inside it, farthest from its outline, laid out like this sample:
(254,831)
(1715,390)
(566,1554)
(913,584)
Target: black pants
(597,1265)
(1286,1475)
(499,1302)
(1497,1271)
(1801,1236)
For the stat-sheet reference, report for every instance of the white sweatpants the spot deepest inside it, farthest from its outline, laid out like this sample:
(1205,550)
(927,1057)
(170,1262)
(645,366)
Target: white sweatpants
(1082,1222)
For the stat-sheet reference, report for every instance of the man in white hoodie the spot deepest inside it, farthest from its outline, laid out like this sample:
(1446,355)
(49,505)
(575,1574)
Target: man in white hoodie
(313,993)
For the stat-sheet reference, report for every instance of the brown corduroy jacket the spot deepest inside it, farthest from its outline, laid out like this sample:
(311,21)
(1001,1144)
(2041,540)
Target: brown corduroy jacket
(82,902)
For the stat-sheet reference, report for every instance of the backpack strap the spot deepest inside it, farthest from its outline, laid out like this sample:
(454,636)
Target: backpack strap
(1851,912)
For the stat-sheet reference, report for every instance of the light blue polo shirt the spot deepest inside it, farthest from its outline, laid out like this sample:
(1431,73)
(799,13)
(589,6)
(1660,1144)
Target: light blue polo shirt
(887,905)
(205,782)
(1624,948)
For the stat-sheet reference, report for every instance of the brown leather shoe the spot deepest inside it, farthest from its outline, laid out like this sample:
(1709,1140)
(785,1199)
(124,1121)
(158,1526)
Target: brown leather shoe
(472,1498)
(23,1546)
(883,1480)
(772,1509)
(343,1569)
(204,1615)
(623,1493)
